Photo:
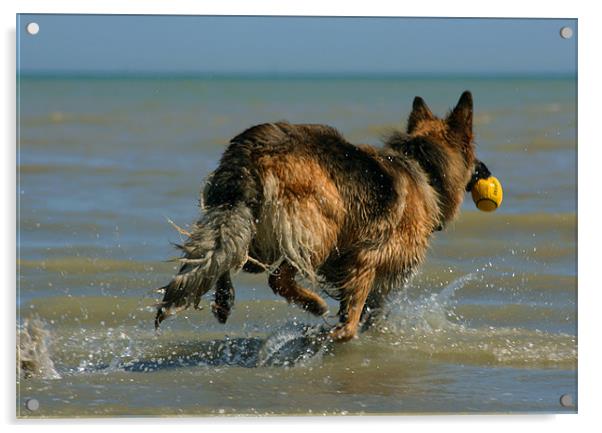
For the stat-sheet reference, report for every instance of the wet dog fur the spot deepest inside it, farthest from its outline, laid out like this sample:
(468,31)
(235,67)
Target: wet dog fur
(355,220)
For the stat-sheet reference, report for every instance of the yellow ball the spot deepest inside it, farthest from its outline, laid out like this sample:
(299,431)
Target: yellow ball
(487,194)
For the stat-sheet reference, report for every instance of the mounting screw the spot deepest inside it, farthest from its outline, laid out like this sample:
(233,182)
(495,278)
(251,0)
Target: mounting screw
(32,28)
(32,404)
(566,400)
(566,33)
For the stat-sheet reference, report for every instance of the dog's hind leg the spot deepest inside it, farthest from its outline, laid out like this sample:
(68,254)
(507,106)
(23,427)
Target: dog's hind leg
(224,298)
(283,283)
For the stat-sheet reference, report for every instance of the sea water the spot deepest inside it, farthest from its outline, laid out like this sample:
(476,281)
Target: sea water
(487,325)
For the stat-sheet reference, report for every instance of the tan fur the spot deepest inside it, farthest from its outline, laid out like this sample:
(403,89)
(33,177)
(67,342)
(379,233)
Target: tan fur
(283,283)
(302,213)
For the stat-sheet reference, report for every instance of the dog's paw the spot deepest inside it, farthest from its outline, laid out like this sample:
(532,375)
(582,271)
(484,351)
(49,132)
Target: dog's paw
(317,307)
(220,312)
(341,333)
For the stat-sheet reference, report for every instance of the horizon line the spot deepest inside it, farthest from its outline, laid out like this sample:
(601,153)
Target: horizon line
(290,74)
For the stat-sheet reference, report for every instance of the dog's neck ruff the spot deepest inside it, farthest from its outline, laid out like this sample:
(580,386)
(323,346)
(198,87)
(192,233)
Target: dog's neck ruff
(431,160)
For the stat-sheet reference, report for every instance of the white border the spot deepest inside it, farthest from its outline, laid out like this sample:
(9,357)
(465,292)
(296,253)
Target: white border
(589,226)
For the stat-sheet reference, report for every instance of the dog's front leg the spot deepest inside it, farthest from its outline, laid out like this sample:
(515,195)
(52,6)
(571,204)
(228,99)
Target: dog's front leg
(355,292)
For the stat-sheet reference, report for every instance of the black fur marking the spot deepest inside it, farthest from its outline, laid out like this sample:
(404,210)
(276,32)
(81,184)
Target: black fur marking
(235,180)
(359,176)
(430,156)
(480,172)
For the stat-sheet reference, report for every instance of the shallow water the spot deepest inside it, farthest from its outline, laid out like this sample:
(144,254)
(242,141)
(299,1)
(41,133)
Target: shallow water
(488,325)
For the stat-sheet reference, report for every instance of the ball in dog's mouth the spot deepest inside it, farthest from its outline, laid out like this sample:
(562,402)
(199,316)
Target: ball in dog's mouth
(487,194)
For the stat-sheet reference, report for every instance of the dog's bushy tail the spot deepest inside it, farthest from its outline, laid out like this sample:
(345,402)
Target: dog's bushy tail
(220,240)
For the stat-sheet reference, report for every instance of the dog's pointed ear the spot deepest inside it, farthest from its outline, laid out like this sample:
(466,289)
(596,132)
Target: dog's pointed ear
(420,112)
(460,119)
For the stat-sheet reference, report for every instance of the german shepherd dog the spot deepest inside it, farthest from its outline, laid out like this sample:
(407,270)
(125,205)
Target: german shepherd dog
(300,200)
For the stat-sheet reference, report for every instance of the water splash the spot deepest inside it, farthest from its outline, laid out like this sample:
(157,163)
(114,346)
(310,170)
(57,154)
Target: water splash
(428,326)
(294,343)
(427,314)
(33,356)
(113,350)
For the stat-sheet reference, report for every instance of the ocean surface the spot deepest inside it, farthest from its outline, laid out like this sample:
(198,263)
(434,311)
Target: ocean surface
(489,324)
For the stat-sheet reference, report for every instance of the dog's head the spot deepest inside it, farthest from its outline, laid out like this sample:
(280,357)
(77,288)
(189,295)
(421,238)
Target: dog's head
(454,134)
(444,149)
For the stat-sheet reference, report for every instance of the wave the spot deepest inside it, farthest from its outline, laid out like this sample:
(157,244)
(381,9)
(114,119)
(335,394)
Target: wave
(85,265)
(62,117)
(472,222)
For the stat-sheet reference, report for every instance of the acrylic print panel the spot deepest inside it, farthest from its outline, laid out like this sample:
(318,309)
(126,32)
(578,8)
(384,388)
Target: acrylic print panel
(366,280)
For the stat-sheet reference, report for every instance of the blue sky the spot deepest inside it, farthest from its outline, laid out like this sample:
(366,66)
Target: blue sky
(284,45)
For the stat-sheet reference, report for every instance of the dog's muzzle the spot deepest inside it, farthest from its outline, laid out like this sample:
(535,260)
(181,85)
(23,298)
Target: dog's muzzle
(480,171)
